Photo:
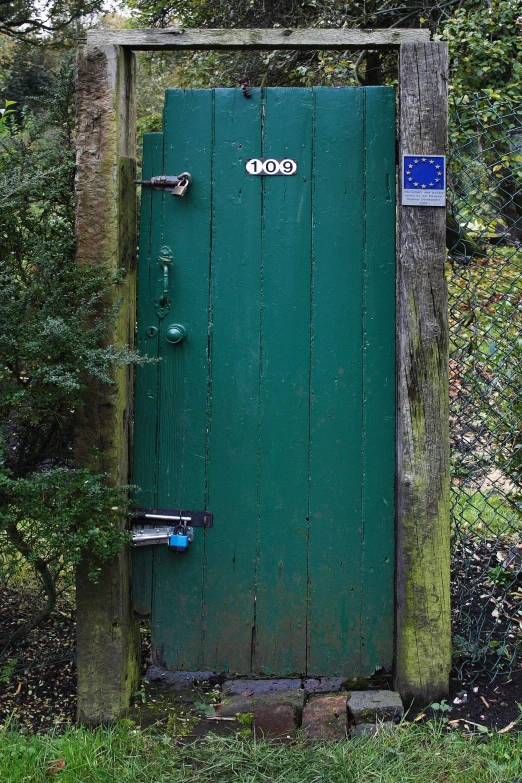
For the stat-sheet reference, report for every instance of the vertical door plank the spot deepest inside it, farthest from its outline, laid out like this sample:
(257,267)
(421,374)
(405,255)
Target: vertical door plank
(280,644)
(230,546)
(336,386)
(146,388)
(378,512)
(184,375)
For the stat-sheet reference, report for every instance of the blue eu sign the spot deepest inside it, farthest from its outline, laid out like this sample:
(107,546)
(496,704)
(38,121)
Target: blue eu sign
(424,180)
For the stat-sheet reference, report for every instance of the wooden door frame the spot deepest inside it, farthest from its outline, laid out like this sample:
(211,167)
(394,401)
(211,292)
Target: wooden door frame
(106,231)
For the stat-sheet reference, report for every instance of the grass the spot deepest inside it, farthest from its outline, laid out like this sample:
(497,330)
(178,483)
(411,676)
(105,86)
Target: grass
(484,513)
(409,754)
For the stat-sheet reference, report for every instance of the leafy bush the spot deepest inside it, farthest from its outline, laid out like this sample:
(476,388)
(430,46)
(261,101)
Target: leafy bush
(51,513)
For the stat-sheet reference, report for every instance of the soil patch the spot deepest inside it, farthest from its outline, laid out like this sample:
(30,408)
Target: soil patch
(493,705)
(37,676)
(38,681)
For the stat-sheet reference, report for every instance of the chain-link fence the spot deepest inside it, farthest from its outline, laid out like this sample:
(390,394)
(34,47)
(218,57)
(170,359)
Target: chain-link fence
(485,298)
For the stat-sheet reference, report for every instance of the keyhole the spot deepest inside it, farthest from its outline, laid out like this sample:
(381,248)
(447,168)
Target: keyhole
(151,331)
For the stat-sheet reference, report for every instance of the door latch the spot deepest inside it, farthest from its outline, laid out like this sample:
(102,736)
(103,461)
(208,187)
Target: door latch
(176,536)
(177,185)
(165,526)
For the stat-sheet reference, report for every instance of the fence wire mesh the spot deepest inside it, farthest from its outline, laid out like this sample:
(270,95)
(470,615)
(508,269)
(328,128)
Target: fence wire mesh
(484,238)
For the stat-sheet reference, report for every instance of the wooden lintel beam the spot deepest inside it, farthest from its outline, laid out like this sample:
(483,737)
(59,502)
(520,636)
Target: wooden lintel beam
(172,38)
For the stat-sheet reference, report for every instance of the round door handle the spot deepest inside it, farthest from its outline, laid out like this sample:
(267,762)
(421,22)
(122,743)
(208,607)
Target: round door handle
(176,333)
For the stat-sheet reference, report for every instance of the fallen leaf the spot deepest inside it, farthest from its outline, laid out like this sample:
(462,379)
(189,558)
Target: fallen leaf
(55,766)
(420,717)
(247,693)
(508,727)
(206,709)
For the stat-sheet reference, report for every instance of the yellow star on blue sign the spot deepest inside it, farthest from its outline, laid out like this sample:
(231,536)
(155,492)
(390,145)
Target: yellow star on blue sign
(427,173)
(423,181)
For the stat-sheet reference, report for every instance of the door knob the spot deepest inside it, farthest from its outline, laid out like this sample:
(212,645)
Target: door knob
(176,333)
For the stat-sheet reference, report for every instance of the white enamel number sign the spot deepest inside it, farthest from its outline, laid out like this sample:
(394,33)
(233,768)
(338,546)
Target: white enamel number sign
(271,167)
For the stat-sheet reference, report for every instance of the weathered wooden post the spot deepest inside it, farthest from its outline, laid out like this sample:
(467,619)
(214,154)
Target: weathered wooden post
(107,637)
(106,231)
(423,633)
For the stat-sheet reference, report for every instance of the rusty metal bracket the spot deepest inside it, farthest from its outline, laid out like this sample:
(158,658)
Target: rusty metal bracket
(177,185)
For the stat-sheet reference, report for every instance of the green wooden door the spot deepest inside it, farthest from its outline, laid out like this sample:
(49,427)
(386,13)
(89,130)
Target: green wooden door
(277,412)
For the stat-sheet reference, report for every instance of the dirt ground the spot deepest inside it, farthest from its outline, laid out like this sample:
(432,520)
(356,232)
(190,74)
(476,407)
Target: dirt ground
(38,679)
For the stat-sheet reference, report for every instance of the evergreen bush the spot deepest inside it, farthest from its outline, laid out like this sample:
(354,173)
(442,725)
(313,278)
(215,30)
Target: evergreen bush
(52,514)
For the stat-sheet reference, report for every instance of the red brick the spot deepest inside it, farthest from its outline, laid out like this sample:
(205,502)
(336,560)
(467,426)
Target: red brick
(324,717)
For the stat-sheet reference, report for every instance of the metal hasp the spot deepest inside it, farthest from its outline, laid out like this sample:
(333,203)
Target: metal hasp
(176,536)
(174,516)
(150,535)
(177,185)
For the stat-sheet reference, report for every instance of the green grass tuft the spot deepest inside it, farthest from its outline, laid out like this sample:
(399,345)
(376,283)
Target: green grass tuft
(409,754)
(486,514)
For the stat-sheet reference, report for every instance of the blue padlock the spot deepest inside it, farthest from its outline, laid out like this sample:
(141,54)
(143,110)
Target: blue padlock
(179,542)
(181,537)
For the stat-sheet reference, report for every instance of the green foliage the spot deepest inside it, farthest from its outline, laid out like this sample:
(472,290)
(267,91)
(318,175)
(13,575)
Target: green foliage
(6,671)
(62,515)
(485,297)
(43,21)
(55,321)
(484,514)
(4,117)
(507,362)
(205,709)
(501,576)
(441,706)
(246,718)
(47,353)
(488,349)
(479,61)
(287,13)
(26,73)
(485,46)
(485,43)
(276,68)
(486,285)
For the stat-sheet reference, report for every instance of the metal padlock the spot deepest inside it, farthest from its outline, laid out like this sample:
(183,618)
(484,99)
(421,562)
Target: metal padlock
(184,181)
(178,542)
(181,537)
